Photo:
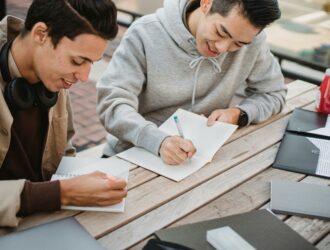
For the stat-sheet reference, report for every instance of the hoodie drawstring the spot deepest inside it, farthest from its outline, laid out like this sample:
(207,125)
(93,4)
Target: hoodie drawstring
(197,62)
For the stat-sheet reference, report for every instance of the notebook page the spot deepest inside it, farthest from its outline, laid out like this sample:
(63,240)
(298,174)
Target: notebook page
(207,140)
(69,164)
(323,164)
(113,166)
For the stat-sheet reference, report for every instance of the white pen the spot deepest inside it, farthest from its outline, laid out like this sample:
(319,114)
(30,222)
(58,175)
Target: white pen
(178,126)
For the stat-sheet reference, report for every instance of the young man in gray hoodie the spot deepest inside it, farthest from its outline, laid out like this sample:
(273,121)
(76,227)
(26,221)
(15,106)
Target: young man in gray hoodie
(193,55)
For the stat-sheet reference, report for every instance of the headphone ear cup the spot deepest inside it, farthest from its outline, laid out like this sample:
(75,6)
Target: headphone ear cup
(45,97)
(19,95)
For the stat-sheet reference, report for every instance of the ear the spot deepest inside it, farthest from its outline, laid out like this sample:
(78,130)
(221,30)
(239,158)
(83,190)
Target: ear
(39,32)
(206,5)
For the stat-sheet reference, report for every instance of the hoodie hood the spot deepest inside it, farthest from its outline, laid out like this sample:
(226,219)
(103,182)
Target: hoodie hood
(171,17)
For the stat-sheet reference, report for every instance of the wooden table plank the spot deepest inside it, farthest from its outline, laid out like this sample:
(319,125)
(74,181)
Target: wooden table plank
(298,87)
(310,229)
(139,176)
(324,244)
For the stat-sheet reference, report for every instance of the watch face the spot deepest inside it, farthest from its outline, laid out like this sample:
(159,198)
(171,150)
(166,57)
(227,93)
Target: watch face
(243,119)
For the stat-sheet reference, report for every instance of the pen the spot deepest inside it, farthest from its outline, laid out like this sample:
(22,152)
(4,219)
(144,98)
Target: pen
(178,126)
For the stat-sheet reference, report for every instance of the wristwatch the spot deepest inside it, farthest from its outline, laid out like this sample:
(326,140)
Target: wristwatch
(243,119)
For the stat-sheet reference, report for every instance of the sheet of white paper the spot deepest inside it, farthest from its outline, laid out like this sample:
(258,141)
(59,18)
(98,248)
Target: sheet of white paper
(207,141)
(113,166)
(323,164)
(323,131)
(69,164)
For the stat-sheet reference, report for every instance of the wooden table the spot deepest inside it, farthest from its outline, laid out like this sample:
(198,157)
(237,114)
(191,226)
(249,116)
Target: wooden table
(236,181)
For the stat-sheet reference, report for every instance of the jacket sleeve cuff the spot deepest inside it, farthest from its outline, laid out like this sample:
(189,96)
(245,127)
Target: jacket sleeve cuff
(151,138)
(10,204)
(40,197)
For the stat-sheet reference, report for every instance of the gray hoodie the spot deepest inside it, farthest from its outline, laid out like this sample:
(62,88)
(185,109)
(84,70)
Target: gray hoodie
(157,69)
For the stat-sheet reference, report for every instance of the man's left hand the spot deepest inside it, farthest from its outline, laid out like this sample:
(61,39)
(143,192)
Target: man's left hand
(230,115)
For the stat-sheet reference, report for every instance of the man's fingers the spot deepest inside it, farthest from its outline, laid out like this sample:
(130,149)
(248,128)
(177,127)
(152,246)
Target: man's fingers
(117,194)
(214,116)
(176,156)
(112,202)
(109,202)
(175,150)
(188,147)
(117,183)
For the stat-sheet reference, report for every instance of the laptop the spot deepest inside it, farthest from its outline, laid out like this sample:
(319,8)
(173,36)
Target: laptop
(64,234)
(298,198)
(260,229)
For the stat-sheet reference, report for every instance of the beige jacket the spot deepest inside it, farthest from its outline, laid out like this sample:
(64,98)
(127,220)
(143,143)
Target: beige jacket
(58,142)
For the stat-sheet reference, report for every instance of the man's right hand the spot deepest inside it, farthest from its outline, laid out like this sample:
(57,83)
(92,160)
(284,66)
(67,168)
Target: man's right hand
(95,189)
(174,150)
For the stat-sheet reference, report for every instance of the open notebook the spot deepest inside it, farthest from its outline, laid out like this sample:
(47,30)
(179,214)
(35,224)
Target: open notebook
(74,166)
(207,141)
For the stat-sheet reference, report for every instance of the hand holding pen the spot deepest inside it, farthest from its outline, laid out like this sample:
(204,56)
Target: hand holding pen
(174,150)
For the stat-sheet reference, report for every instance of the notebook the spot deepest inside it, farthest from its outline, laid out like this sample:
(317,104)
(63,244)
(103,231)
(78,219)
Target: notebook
(304,155)
(74,166)
(65,234)
(305,147)
(207,141)
(309,123)
(297,198)
(260,229)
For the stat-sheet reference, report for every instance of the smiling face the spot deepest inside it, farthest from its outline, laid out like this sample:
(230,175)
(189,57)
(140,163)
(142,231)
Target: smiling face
(69,62)
(216,34)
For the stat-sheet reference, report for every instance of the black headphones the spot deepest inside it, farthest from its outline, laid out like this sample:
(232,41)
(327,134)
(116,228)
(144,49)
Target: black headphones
(19,93)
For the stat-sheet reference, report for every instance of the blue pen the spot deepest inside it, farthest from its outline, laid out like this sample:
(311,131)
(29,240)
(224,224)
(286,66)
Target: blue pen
(178,126)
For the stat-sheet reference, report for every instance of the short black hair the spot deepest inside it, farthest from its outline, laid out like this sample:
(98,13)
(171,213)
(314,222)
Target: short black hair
(70,18)
(260,13)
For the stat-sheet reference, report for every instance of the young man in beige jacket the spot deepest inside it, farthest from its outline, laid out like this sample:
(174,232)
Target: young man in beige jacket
(39,60)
